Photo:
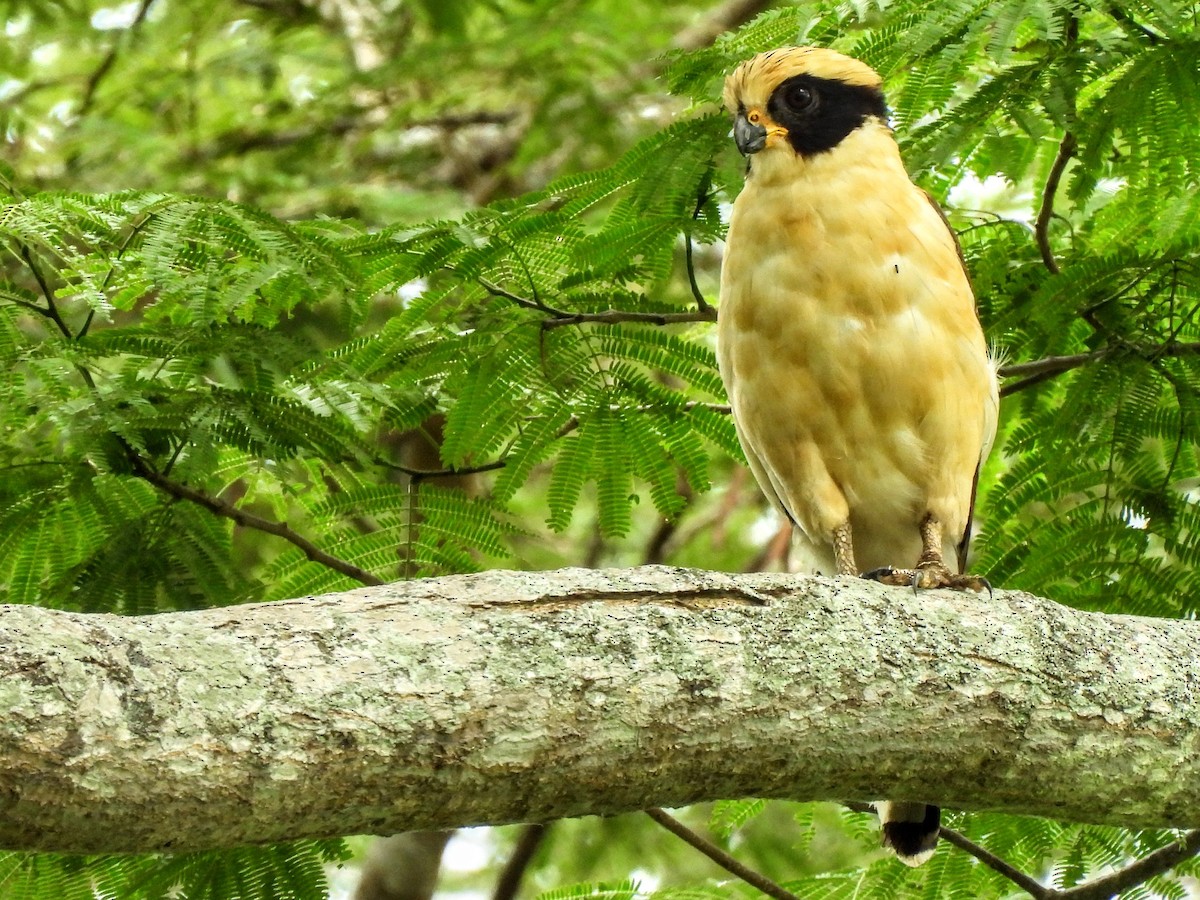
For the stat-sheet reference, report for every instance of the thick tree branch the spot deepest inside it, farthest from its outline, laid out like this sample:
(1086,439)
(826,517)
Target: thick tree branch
(517,696)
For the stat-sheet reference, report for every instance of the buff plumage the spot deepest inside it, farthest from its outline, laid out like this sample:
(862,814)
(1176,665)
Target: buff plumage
(858,374)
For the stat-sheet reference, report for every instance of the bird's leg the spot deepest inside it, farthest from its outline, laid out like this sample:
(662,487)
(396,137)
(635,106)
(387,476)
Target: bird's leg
(843,550)
(931,570)
(931,560)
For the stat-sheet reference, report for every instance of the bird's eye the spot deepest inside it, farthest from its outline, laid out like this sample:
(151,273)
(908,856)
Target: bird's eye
(800,98)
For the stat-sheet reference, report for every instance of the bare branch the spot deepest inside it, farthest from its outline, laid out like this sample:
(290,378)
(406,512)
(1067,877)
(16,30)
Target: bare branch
(561,317)
(1133,25)
(701,196)
(51,312)
(1031,885)
(258,523)
(1041,228)
(1039,370)
(497,291)
(726,17)
(424,474)
(522,855)
(1158,862)
(613,316)
(106,64)
(701,303)
(719,856)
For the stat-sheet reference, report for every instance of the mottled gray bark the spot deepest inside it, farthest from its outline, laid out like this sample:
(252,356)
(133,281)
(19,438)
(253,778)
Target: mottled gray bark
(515,696)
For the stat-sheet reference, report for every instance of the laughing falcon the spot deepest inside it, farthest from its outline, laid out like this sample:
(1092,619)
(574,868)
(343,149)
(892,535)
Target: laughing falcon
(859,377)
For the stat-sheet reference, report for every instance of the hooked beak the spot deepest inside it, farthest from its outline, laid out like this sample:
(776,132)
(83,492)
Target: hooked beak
(749,137)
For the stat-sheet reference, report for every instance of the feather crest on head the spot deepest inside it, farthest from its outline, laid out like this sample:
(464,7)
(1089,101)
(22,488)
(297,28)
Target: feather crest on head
(761,74)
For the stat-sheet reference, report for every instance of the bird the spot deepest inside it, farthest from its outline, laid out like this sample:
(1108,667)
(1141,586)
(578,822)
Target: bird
(862,387)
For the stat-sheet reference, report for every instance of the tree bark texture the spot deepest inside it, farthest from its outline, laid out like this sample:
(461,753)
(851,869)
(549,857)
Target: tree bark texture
(520,696)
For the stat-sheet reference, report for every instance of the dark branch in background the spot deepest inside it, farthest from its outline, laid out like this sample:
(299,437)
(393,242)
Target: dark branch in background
(1041,228)
(993,862)
(613,316)
(701,303)
(561,317)
(496,291)
(250,520)
(1040,370)
(239,141)
(1157,863)
(726,17)
(1123,16)
(51,310)
(106,64)
(297,11)
(720,857)
(701,197)
(522,855)
(418,475)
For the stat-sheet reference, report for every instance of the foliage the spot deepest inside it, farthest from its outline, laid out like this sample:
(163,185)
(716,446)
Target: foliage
(229,343)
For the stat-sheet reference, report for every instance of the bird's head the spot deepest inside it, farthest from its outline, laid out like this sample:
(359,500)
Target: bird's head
(802,100)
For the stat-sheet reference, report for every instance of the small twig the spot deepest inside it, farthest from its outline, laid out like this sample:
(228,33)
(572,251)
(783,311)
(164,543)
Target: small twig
(514,870)
(719,856)
(106,64)
(250,520)
(423,474)
(701,303)
(726,17)
(1041,228)
(1053,364)
(989,859)
(1030,885)
(612,316)
(125,242)
(1158,862)
(1040,370)
(1122,16)
(27,304)
(498,291)
(701,197)
(561,317)
(51,312)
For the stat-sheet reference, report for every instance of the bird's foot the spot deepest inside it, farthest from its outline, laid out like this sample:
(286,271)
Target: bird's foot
(928,576)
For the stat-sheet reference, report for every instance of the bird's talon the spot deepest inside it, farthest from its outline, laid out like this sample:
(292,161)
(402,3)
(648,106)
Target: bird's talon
(929,578)
(885,575)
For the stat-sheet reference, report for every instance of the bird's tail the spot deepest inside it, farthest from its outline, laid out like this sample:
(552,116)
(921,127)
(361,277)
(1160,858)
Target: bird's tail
(910,829)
